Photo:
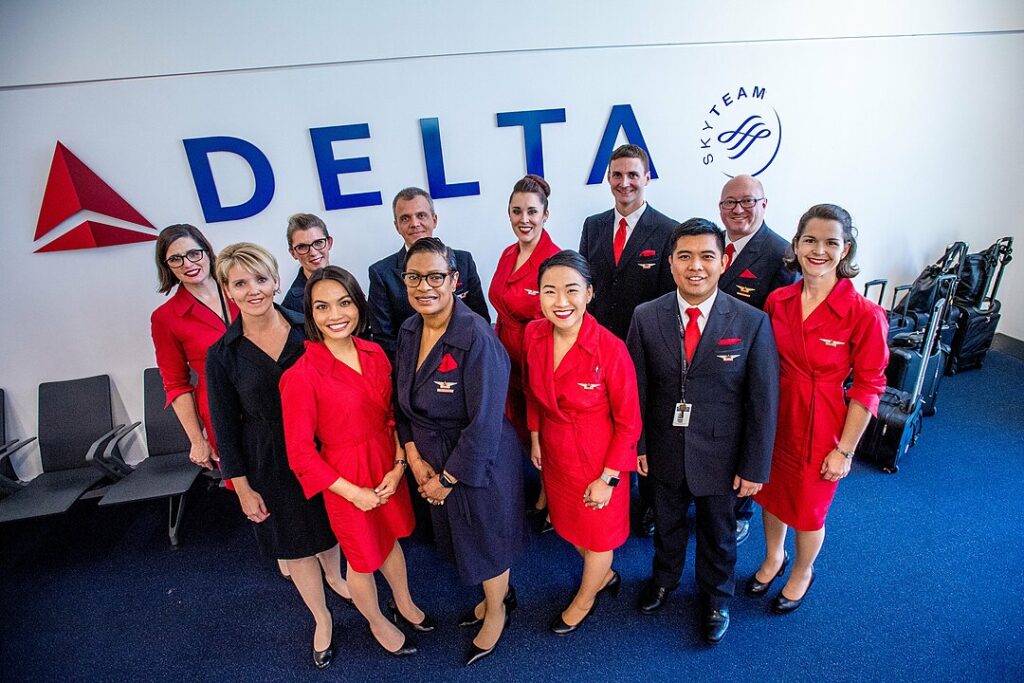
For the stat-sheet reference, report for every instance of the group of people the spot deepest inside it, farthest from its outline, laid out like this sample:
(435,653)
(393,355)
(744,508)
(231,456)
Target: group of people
(698,358)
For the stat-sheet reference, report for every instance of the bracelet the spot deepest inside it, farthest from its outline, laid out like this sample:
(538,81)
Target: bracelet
(402,462)
(846,454)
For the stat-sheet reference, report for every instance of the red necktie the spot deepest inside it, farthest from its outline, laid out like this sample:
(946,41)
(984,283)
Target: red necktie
(620,241)
(692,336)
(730,251)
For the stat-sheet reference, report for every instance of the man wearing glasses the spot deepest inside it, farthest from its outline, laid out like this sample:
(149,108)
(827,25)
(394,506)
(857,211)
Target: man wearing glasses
(310,245)
(754,270)
(414,215)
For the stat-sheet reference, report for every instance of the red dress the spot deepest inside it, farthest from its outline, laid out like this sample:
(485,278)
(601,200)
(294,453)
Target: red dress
(587,413)
(352,417)
(516,298)
(183,329)
(815,356)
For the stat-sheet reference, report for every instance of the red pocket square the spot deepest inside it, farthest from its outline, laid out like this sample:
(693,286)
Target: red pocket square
(747,274)
(447,363)
(647,253)
(730,341)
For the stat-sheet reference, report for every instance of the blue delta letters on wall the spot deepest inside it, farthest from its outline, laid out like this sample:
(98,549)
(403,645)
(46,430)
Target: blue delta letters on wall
(330,169)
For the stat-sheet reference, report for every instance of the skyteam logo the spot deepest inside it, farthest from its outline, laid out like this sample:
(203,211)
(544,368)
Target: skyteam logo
(741,133)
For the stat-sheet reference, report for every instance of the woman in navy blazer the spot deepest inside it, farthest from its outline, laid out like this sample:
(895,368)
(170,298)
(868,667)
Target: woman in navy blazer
(452,379)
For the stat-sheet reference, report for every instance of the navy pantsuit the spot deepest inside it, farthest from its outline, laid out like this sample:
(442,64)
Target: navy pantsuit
(453,408)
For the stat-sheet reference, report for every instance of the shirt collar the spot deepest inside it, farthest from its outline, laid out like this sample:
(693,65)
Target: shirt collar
(743,241)
(704,306)
(632,219)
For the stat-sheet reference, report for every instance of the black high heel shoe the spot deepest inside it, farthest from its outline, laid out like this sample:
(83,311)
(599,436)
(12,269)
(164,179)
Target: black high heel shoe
(426,625)
(560,628)
(407,649)
(613,585)
(323,658)
(783,605)
(475,654)
(349,602)
(469,617)
(757,589)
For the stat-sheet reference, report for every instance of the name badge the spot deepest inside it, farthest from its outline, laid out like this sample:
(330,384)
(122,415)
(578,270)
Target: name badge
(531,292)
(445,387)
(681,418)
(588,387)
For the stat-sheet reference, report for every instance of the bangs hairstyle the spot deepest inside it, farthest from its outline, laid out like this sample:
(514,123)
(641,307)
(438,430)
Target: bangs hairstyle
(304,221)
(630,152)
(248,256)
(167,237)
(847,267)
(351,285)
(569,259)
(431,245)
(696,226)
(532,184)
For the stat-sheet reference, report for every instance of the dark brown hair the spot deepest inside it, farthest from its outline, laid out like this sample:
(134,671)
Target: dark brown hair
(569,259)
(533,184)
(696,226)
(630,152)
(432,245)
(351,285)
(829,212)
(167,237)
(304,221)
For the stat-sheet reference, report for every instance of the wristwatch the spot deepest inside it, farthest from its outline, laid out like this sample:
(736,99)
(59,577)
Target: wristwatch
(609,479)
(445,481)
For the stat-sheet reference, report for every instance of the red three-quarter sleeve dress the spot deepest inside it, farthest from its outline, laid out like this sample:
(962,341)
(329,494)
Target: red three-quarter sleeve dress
(515,295)
(352,416)
(587,414)
(846,331)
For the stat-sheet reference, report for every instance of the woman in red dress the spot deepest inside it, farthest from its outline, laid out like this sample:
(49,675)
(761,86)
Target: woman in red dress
(823,329)
(514,292)
(584,418)
(339,394)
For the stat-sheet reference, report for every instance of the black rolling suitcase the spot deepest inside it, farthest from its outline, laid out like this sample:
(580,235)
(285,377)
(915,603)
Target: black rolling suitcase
(978,306)
(898,425)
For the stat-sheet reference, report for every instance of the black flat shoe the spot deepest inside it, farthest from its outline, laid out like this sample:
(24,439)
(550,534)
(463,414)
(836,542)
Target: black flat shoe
(426,625)
(715,624)
(546,526)
(757,589)
(653,597)
(560,628)
(783,605)
(612,587)
(469,617)
(323,658)
(474,654)
(408,647)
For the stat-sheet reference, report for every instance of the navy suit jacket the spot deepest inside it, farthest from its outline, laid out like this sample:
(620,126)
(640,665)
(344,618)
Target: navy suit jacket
(389,302)
(642,273)
(758,270)
(732,384)
(295,298)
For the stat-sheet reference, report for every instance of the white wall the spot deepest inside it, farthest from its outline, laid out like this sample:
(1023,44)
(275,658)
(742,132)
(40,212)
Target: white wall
(906,114)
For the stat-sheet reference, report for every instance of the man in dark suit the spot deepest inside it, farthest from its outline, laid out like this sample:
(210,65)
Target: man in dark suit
(754,271)
(310,244)
(627,250)
(708,376)
(414,214)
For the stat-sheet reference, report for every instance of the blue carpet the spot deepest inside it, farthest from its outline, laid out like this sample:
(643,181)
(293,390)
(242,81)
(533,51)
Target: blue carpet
(919,580)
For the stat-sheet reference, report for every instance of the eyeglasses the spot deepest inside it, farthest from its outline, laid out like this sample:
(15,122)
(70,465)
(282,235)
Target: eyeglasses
(316,244)
(413,280)
(178,260)
(746,203)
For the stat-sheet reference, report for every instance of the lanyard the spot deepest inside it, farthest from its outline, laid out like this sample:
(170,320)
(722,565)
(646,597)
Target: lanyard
(683,364)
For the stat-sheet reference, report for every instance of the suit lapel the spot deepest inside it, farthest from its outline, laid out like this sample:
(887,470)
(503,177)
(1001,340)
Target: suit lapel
(643,229)
(605,233)
(721,316)
(745,259)
(668,324)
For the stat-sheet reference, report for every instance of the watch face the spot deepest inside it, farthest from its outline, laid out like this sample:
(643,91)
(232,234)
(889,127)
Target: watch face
(612,481)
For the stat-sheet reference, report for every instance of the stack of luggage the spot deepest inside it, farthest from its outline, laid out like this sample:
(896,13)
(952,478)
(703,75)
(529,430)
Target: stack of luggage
(975,299)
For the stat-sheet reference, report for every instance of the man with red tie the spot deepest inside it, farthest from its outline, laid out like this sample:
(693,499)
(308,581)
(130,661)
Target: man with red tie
(627,248)
(708,379)
(755,269)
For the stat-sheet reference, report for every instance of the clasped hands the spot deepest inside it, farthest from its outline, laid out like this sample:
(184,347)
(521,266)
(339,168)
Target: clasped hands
(430,487)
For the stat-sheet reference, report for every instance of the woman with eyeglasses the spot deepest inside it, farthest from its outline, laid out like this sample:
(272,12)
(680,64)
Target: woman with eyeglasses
(185,327)
(452,380)
(310,244)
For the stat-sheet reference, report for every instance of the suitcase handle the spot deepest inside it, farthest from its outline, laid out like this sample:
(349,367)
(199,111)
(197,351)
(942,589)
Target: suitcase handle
(873,283)
(906,300)
(1005,256)
(931,339)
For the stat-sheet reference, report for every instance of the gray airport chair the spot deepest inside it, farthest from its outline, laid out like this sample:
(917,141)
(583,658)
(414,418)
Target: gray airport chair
(9,482)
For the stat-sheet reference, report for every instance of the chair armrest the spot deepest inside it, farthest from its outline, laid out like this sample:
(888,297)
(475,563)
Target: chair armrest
(14,445)
(6,483)
(98,462)
(117,461)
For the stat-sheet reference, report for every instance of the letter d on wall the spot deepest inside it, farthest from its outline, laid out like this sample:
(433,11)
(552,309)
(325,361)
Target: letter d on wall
(198,151)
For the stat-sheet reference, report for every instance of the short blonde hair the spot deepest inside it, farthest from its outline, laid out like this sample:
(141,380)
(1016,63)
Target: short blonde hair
(251,257)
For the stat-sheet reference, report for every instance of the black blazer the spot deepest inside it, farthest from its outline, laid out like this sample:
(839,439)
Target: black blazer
(295,298)
(389,303)
(758,270)
(732,384)
(643,271)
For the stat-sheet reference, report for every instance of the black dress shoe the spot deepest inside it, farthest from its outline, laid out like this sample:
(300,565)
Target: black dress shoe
(426,624)
(757,589)
(323,658)
(647,522)
(474,654)
(653,597)
(783,605)
(408,647)
(560,628)
(716,623)
(742,530)
(469,617)
(612,587)
(546,526)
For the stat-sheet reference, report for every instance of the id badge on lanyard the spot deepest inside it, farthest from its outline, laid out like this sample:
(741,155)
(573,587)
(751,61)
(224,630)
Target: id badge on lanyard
(681,415)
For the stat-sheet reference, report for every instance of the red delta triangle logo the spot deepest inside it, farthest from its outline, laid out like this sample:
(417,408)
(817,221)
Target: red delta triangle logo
(72,187)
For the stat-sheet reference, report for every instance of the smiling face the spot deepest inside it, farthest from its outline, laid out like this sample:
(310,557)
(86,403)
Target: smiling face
(252,292)
(820,248)
(564,296)
(317,255)
(414,219)
(696,262)
(739,221)
(334,311)
(188,272)
(527,215)
(424,298)
(627,179)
